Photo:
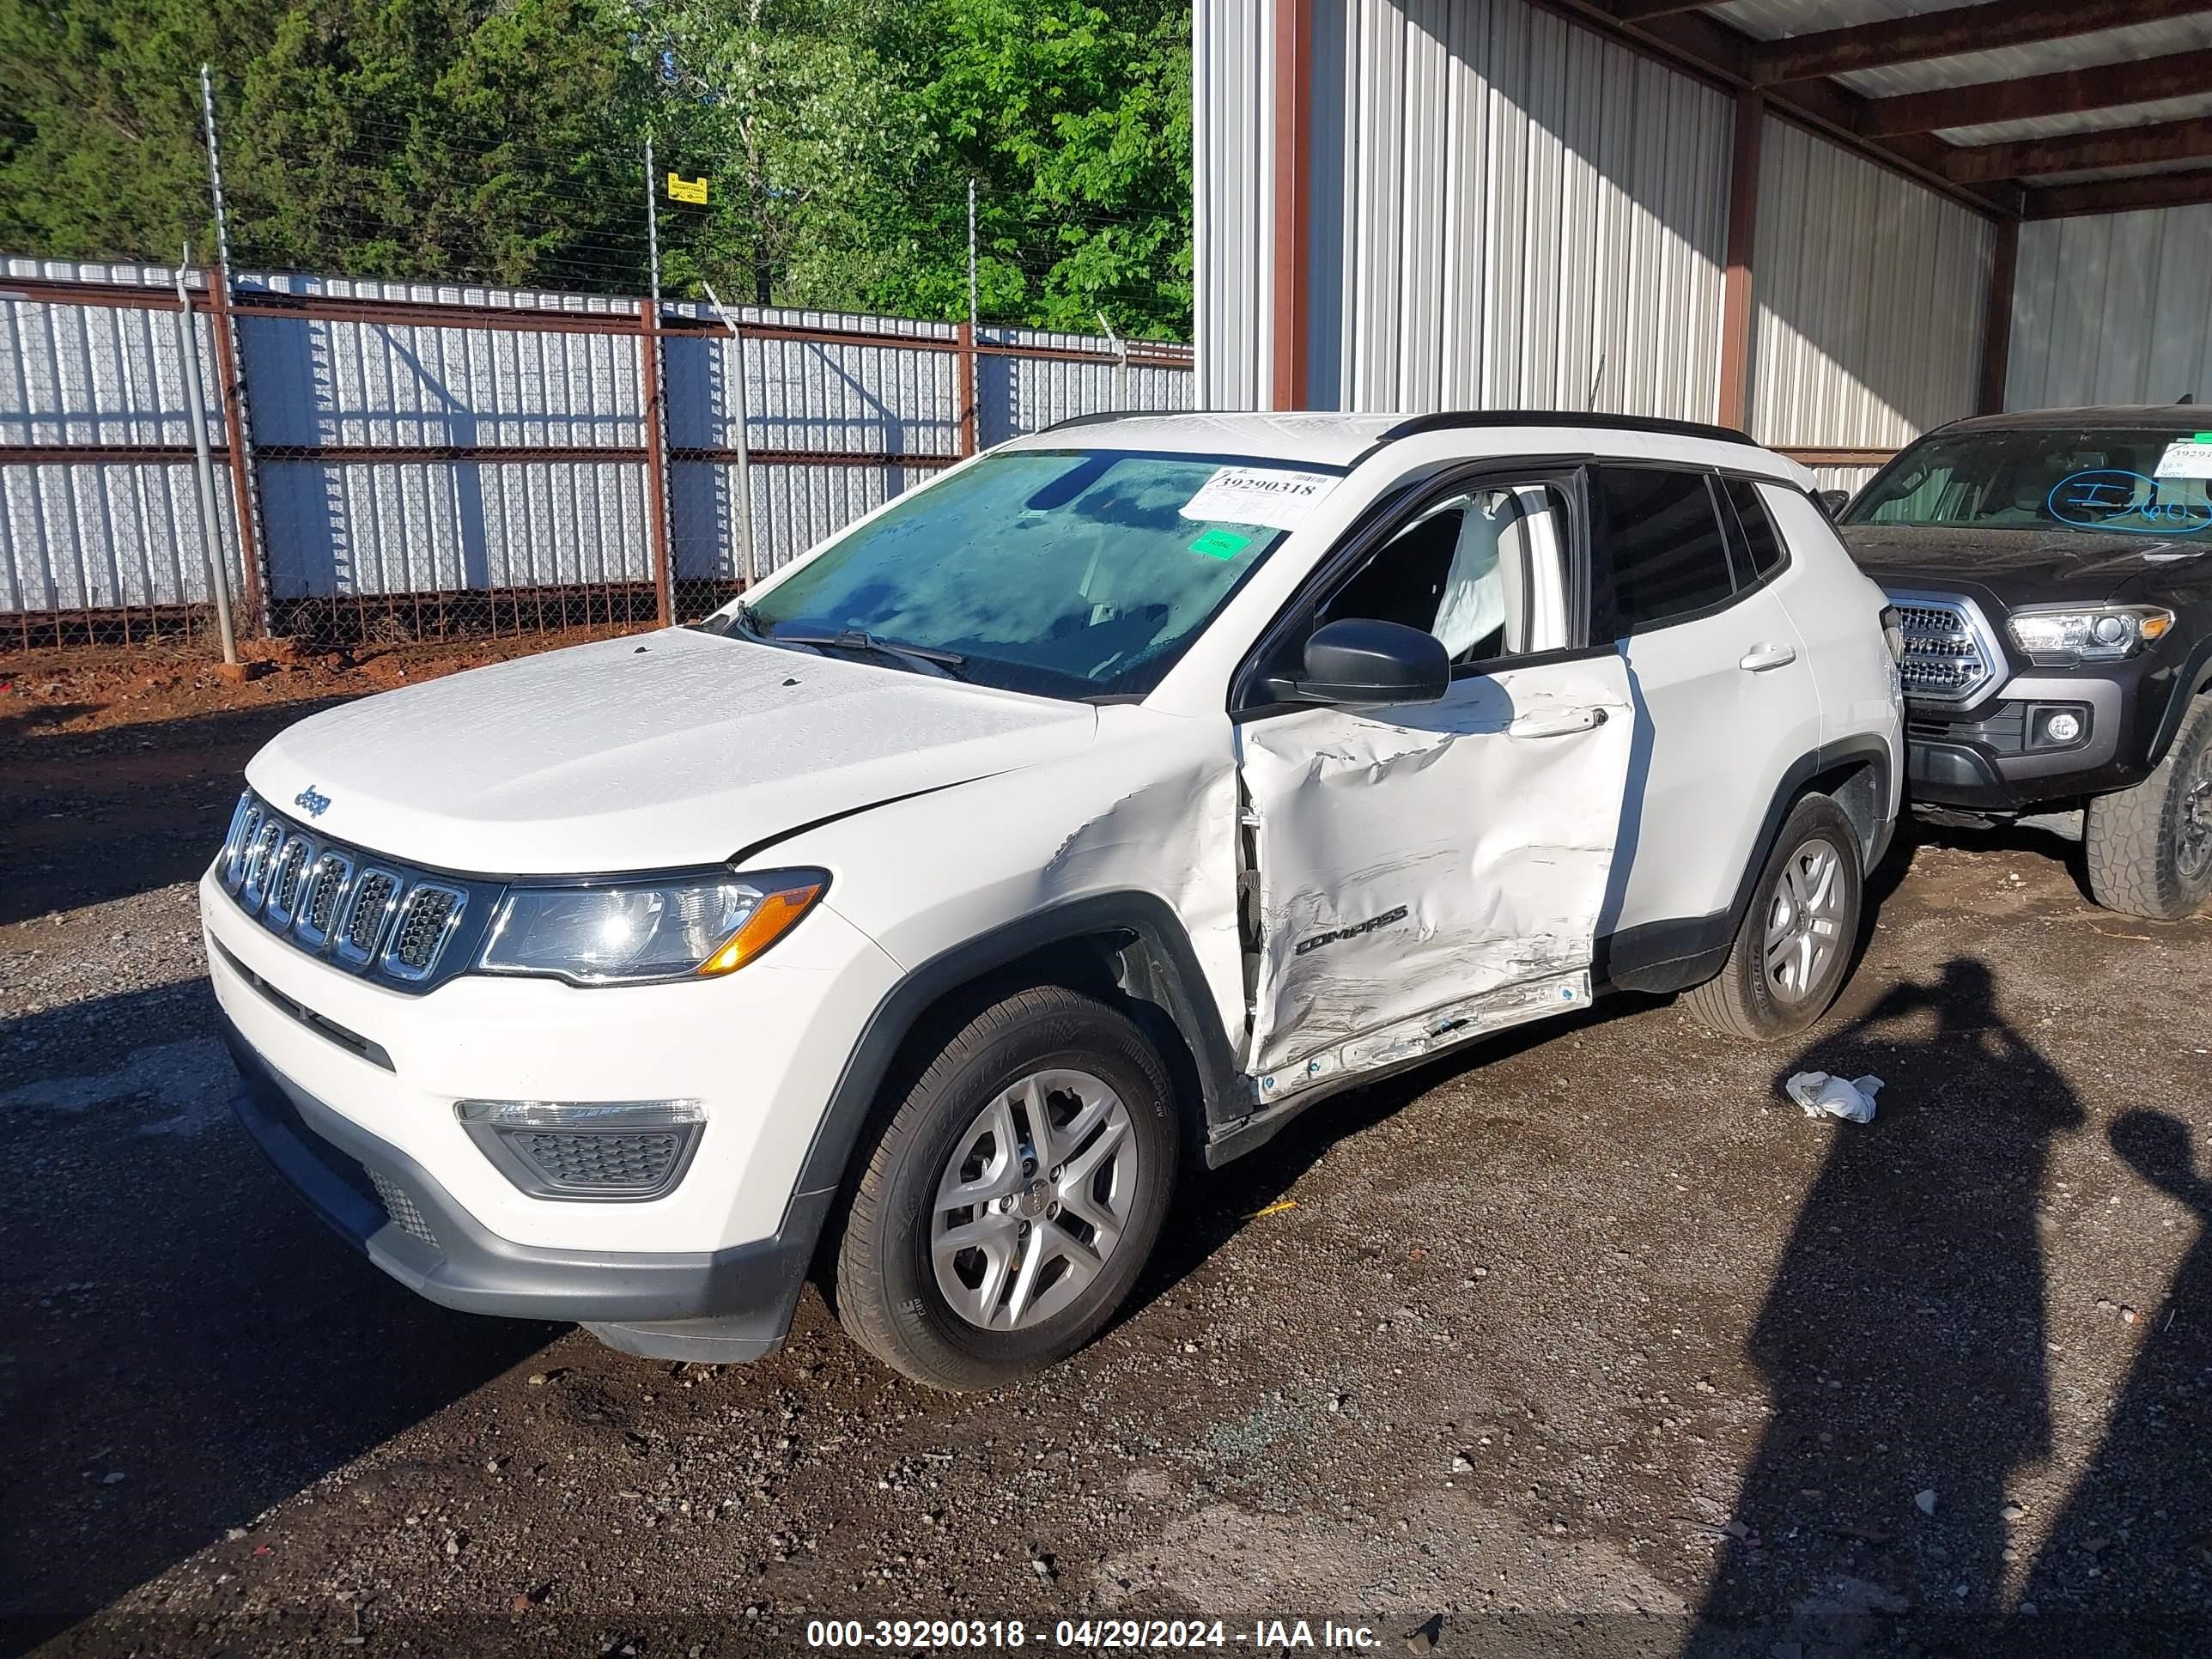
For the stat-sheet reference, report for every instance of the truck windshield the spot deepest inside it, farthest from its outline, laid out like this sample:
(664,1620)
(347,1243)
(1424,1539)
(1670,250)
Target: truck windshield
(1069,573)
(2142,481)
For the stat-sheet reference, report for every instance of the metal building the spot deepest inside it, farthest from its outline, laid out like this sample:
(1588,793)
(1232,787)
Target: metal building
(1833,222)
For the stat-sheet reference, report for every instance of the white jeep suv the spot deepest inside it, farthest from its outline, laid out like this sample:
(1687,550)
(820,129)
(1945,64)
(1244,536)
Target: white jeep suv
(1085,814)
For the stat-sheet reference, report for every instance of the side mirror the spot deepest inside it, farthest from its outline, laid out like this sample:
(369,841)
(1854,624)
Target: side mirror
(1832,501)
(1360,660)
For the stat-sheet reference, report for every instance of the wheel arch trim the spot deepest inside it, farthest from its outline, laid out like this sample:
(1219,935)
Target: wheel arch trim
(2194,677)
(1160,959)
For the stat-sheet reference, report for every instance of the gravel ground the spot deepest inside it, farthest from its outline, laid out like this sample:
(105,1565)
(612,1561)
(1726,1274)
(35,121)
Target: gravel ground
(1585,1343)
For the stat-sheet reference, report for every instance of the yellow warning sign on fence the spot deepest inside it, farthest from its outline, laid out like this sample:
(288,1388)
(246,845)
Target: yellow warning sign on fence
(687,190)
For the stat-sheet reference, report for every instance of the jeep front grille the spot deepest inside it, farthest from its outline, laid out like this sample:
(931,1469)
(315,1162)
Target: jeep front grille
(1949,656)
(371,916)
(423,921)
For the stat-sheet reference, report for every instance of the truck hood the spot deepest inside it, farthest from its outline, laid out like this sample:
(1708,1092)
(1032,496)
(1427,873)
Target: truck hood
(653,752)
(2018,567)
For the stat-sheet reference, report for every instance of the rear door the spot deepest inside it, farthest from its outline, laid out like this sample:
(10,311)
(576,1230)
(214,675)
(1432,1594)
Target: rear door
(1417,875)
(1722,679)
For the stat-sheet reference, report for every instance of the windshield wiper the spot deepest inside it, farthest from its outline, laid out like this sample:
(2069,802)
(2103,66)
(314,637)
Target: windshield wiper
(924,658)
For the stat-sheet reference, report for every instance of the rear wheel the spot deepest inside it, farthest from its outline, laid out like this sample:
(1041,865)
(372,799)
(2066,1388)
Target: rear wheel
(1794,947)
(2150,847)
(1013,1196)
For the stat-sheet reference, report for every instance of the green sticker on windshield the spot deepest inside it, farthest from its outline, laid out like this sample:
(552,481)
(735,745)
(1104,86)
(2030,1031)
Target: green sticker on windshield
(1221,543)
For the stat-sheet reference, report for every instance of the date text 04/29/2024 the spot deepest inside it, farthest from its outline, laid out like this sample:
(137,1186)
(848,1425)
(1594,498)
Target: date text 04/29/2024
(1092,1635)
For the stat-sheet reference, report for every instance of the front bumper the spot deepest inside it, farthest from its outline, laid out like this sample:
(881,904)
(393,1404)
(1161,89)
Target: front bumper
(1985,758)
(722,1306)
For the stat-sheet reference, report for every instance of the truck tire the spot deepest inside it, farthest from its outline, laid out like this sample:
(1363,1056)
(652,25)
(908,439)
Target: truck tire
(2150,847)
(1799,931)
(1009,1202)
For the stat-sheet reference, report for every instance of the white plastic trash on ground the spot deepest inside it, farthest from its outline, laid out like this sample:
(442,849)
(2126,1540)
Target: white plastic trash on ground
(1822,1096)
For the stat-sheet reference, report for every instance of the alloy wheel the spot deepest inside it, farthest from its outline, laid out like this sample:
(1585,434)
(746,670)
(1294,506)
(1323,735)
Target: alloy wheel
(1036,1197)
(1805,920)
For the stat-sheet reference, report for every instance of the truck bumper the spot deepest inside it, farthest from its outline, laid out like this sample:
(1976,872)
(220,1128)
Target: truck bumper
(721,1306)
(1991,758)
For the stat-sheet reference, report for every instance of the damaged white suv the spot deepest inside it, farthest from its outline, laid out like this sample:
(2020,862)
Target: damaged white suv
(1084,815)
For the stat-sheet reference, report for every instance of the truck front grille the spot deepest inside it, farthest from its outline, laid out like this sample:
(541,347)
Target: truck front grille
(1949,656)
(371,916)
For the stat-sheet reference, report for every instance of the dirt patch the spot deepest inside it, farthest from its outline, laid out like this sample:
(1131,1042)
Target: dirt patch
(1584,1342)
(121,765)
(84,689)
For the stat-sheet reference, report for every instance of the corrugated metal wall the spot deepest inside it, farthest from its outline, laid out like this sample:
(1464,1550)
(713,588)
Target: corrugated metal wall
(2114,309)
(1870,293)
(126,534)
(112,530)
(1526,210)
(1502,201)
(1233,200)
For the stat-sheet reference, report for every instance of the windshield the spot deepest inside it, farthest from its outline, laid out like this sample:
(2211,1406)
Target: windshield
(1074,573)
(2142,482)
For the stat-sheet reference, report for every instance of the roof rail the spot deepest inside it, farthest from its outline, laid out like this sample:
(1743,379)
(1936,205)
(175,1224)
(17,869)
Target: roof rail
(1104,415)
(1453,419)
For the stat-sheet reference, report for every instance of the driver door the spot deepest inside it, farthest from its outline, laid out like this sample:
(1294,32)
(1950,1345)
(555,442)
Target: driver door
(1420,874)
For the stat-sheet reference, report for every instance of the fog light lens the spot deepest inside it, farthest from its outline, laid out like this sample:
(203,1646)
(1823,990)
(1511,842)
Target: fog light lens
(586,1149)
(580,1113)
(2063,727)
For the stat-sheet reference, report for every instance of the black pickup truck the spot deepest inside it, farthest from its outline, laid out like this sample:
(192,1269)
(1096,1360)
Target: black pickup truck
(2053,574)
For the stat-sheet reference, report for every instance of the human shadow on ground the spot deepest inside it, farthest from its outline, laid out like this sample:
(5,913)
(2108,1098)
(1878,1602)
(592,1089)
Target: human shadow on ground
(1903,1345)
(2138,1525)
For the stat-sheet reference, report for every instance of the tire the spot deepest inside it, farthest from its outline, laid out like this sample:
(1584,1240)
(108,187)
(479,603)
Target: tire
(1765,991)
(1032,1285)
(2150,847)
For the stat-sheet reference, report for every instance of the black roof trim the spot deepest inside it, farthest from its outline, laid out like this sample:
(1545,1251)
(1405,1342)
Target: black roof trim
(2121,417)
(1099,419)
(1455,419)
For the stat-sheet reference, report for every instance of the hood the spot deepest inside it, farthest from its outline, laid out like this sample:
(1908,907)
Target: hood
(652,752)
(2017,567)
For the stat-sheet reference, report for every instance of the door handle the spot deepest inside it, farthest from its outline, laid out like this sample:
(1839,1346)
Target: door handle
(1761,658)
(1557,723)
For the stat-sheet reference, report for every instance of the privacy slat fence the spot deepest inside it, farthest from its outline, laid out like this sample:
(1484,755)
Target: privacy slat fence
(401,461)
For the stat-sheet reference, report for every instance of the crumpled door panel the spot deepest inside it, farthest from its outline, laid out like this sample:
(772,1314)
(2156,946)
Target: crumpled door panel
(1438,860)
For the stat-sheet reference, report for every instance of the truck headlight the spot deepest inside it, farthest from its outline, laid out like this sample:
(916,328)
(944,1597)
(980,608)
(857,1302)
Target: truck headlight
(683,927)
(2094,634)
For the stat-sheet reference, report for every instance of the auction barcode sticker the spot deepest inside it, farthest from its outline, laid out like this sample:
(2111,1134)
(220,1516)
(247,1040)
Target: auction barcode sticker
(1257,494)
(2187,458)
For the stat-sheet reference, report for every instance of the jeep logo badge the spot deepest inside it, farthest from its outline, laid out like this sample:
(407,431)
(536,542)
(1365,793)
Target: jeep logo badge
(316,803)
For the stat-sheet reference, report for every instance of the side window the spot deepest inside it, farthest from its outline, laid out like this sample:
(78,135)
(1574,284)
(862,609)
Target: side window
(1483,570)
(1660,551)
(1759,539)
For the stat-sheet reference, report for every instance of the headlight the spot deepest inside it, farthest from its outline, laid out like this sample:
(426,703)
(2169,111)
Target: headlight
(694,926)
(2100,634)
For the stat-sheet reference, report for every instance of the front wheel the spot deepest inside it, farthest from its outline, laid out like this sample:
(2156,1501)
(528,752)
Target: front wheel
(1013,1198)
(1794,947)
(2150,847)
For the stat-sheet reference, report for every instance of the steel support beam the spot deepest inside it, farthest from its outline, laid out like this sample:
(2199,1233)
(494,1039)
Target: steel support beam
(2117,146)
(1996,325)
(2153,190)
(1293,199)
(1956,29)
(1635,11)
(1736,311)
(1723,57)
(2065,91)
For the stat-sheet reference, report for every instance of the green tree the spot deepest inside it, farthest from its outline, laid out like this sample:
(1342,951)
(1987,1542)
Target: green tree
(441,138)
(501,140)
(101,154)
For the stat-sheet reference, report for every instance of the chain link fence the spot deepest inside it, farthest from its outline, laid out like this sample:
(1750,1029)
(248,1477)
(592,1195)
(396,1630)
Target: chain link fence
(394,462)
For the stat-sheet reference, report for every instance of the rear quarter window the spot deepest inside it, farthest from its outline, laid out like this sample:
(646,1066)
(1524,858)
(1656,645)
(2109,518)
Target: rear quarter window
(1759,541)
(1661,554)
